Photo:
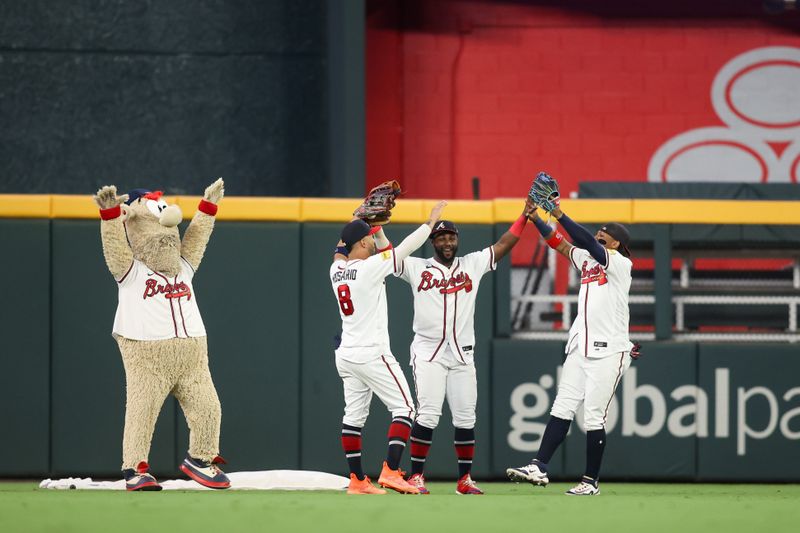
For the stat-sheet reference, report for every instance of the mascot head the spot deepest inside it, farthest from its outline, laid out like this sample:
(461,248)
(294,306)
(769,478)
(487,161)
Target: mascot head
(152,228)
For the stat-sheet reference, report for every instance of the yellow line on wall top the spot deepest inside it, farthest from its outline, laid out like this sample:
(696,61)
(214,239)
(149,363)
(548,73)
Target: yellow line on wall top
(500,210)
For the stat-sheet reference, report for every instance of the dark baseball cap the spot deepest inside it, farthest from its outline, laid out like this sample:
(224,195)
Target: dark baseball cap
(356,230)
(621,234)
(135,194)
(443,226)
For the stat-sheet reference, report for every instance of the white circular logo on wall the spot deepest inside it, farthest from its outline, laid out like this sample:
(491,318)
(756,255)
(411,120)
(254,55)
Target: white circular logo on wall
(757,96)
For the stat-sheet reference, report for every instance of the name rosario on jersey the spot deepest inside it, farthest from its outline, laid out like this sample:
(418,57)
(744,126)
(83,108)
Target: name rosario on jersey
(152,288)
(446,286)
(596,273)
(346,275)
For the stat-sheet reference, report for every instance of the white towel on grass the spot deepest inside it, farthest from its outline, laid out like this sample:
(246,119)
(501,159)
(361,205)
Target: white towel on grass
(263,480)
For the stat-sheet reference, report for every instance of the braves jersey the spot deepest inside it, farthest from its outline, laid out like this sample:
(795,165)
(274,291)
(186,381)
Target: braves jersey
(360,289)
(601,327)
(154,307)
(444,302)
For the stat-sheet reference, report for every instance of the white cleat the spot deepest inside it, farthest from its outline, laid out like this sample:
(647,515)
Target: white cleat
(585,488)
(534,473)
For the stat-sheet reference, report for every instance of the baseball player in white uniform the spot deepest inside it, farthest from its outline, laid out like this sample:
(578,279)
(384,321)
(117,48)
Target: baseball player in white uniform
(364,360)
(598,351)
(445,287)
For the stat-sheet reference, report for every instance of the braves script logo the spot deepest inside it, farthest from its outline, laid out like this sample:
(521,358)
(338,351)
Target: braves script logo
(445,286)
(595,273)
(153,287)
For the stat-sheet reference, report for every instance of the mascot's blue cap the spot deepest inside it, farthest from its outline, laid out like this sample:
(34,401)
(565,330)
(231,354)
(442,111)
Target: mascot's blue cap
(135,194)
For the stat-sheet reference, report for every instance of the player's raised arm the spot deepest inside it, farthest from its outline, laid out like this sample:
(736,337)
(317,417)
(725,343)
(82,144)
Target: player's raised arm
(544,193)
(581,237)
(411,243)
(511,237)
(382,241)
(552,237)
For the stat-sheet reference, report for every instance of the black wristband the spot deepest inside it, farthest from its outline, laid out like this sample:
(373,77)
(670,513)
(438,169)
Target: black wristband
(340,250)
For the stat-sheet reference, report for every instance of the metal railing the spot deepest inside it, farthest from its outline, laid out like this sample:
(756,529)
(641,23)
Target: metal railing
(791,334)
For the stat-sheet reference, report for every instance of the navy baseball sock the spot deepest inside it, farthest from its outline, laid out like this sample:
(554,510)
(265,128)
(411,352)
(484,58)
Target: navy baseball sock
(464,441)
(351,443)
(421,438)
(399,431)
(595,444)
(554,434)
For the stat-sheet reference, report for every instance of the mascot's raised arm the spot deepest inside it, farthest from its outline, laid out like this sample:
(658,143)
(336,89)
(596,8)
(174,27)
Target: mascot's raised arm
(158,326)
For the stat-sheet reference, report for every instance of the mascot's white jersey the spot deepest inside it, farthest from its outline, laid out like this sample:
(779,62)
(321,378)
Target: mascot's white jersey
(154,307)
(444,302)
(601,327)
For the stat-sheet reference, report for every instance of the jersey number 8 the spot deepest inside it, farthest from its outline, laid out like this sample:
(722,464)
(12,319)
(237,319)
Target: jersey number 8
(345,303)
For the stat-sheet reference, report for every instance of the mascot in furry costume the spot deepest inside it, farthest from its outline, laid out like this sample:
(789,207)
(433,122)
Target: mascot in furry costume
(158,326)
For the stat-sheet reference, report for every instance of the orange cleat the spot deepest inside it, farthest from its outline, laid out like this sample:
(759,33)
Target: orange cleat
(362,486)
(393,479)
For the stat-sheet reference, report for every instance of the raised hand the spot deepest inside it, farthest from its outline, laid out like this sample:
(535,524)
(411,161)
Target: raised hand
(107,198)
(215,191)
(436,213)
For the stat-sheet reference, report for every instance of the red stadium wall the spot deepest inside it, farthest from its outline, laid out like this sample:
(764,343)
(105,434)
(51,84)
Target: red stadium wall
(501,90)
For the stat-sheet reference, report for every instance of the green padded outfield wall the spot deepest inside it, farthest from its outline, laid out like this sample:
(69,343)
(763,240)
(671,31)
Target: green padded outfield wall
(715,412)
(754,412)
(684,411)
(25,347)
(247,288)
(69,422)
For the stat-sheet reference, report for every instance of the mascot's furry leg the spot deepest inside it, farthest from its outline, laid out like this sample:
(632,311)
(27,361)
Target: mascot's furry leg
(198,398)
(149,376)
(153,369)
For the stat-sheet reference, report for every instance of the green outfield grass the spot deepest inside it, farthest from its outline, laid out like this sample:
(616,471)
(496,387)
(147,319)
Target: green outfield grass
(642,508)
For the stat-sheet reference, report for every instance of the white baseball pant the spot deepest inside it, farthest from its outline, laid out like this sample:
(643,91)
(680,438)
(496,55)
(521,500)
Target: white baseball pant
(445,377)
(591,381)
(382,376)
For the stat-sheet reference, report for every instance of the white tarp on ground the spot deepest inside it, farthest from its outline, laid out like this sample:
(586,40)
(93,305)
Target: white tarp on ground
(264,480)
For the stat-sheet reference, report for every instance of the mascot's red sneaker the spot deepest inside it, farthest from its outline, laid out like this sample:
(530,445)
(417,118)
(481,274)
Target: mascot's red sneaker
(140,479)
(207,474)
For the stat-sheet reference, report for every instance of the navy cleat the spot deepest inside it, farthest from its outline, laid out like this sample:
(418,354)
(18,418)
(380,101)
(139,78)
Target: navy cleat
(140,479)
(534,473)
(207,474)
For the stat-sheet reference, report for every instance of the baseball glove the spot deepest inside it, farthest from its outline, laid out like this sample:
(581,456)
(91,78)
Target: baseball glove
(636,351)
(544,192)
(376,209)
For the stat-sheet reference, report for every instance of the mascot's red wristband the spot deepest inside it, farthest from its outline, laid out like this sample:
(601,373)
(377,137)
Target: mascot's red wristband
(555,239)
(517,227)
(208,208)
(110,213)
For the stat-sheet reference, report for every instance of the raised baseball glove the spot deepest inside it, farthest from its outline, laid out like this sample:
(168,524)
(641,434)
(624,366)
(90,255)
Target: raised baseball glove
(544,192)
(376,209)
